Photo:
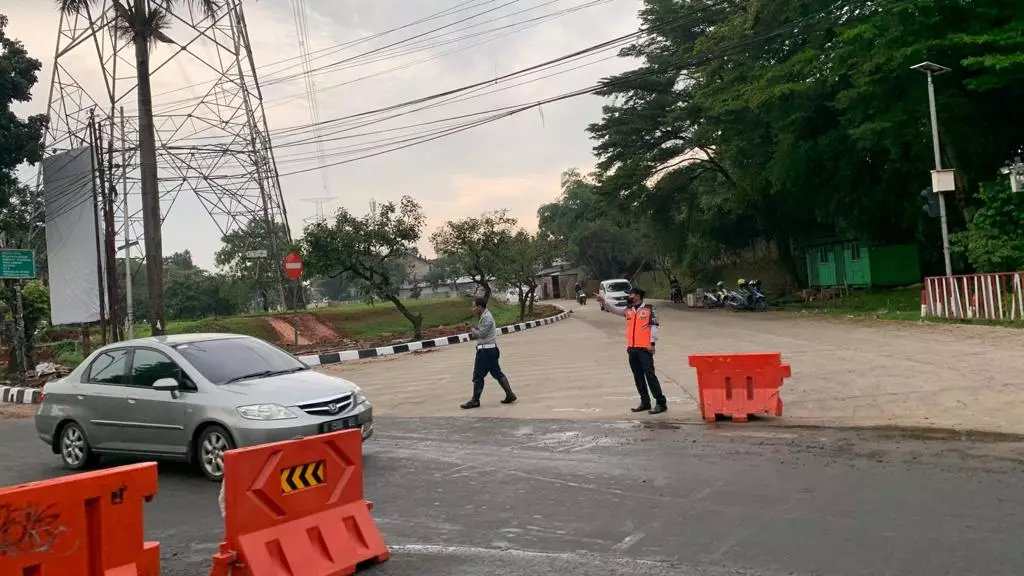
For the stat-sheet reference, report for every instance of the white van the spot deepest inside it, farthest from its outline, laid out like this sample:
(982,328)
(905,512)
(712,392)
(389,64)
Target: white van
(615,292)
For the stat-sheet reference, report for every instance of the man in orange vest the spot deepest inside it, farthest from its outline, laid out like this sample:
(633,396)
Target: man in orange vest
(641,338)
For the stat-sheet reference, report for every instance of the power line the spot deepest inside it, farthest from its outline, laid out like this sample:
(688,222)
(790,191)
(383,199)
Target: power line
(338,47)
(276,80)
(359,60)
(698,59)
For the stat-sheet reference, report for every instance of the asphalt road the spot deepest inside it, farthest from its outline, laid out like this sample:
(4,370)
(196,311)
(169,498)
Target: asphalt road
(478,496)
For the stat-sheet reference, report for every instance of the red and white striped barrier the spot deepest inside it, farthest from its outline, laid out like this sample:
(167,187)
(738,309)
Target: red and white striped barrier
(976,296)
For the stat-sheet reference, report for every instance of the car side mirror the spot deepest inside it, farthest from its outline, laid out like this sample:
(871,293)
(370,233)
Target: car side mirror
(167,385)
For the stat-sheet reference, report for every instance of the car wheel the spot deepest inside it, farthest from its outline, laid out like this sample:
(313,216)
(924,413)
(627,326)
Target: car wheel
(74,447)
(213,443)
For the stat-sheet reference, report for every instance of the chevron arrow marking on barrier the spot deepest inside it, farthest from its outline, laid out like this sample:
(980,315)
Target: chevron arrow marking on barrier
(302,476)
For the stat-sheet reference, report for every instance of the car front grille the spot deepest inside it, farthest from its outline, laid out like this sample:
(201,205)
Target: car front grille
(328,407)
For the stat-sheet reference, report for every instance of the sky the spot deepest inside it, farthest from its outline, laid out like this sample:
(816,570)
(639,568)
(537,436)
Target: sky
(513,163)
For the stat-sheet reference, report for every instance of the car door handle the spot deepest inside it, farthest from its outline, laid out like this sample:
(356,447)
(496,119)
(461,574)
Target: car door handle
(131,400)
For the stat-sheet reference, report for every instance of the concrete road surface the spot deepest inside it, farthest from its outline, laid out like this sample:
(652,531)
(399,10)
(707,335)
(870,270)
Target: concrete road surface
(480,496)
(845,372)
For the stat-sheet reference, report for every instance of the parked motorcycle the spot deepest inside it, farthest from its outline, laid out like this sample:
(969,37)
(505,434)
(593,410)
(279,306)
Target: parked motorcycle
(757,300)
(715,297)
(676,294)
(746,296)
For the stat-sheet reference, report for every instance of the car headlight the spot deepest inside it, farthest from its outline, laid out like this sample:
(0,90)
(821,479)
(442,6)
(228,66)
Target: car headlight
(357,396)
(265,412)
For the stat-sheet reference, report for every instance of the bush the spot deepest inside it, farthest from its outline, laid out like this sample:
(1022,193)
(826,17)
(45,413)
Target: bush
(63,347)
(994,240)
(70,359)
(67,353)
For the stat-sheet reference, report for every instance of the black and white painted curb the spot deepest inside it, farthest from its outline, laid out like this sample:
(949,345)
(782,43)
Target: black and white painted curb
(19,395)
(350,355)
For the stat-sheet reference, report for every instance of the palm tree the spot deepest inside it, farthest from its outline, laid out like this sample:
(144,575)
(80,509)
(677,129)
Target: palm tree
(144,22)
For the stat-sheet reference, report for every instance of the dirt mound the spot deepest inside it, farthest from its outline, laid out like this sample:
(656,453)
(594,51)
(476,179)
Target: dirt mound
(314,335)
(286,332)
(314,329)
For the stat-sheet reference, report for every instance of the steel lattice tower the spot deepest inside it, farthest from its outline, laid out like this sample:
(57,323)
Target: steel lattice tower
(212,136)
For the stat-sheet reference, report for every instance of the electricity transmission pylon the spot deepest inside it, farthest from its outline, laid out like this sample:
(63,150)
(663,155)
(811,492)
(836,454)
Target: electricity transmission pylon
(212,135)
(320,202)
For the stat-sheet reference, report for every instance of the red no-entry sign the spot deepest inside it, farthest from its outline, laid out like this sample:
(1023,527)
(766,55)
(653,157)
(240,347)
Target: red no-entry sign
(293,266)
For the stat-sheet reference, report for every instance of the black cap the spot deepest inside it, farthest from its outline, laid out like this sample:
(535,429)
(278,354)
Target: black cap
(638,291)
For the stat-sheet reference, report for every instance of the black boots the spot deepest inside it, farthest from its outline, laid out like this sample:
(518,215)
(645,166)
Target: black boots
(509,396)
(658,408)
(479,388)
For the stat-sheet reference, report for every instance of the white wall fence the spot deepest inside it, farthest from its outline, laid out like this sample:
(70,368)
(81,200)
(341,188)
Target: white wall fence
(998,297)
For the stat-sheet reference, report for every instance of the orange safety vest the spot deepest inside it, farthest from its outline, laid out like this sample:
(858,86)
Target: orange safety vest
(638,326)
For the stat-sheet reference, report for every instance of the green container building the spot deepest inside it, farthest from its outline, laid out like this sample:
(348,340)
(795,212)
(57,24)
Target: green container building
(855,263)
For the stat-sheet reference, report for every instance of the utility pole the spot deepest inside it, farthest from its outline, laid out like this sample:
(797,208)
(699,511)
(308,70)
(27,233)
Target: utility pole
(128,312)
(108,192)
(19,321)
(19,316)
(96,216)
(931,70)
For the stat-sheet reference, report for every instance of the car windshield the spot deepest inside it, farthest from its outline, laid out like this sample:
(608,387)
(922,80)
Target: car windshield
(233,359)
(617,287)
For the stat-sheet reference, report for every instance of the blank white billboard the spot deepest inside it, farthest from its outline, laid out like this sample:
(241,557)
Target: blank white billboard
(71,233)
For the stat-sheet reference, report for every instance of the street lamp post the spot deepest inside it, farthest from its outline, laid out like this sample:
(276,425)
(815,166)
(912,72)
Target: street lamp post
(932,69)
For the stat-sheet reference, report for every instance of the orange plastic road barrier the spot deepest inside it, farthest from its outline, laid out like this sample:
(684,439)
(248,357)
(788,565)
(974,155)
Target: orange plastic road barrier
(296,508)
(739,385)
(81,525)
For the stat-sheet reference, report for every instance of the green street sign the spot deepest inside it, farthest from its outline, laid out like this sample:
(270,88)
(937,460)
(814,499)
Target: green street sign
(17,264)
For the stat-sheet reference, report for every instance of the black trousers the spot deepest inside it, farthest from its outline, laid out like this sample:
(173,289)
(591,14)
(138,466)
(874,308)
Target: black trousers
(641,362)
(486,363)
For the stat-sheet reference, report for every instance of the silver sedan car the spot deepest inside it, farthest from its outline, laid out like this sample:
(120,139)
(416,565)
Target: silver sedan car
(192,397)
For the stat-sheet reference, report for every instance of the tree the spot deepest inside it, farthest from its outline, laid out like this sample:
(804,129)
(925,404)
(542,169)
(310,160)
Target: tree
(526,255)
(20,210)
(789,121)
(994,240)
(262,273)
(22,223)
(442,271)
(20,140)
(580,203)
(144,23)
(194,293)
(35,311)
(607,251)
(369,248)
(475,247)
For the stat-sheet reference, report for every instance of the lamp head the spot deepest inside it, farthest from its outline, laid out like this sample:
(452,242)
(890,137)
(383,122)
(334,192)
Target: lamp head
(930,68)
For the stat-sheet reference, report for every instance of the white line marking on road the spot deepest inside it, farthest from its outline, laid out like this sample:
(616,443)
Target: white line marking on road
(443,550)
(587,410)
(628,541)
(759,434)
(670,400)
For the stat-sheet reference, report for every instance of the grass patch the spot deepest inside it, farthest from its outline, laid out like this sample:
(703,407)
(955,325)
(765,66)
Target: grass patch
(360,321)
(892,304)
(255,325)
(884,304)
